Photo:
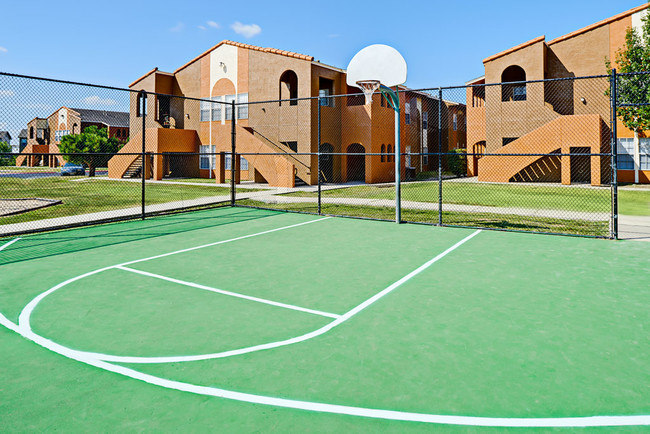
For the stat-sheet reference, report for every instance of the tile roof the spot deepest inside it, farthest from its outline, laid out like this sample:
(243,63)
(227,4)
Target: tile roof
(249,47)
(112,119)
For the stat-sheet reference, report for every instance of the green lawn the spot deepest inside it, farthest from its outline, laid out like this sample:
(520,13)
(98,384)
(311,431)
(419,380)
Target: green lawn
(588,199)
(93,195)
(495,221)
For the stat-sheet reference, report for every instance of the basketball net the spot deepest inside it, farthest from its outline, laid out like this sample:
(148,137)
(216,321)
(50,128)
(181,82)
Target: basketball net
(368,87)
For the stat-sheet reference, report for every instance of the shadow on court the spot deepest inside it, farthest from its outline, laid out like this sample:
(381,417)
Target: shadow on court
(83,239)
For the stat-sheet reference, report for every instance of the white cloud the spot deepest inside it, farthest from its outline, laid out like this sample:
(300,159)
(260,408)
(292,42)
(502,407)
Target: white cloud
(202,27)
(246,30)
(96,100)
(3,49)
(178,27)
(214,24)
(6,92)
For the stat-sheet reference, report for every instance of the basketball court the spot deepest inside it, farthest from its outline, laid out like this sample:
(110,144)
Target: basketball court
(238,318)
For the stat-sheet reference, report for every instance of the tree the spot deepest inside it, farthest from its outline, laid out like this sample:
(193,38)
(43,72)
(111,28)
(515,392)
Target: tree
(634,57)
(6,160)
(91,141)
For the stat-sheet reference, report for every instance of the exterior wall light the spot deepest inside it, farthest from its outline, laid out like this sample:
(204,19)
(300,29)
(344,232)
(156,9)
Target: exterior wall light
(583,100)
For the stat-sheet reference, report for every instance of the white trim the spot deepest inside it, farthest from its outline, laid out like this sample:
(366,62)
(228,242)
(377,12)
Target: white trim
(9,243)
(232,294)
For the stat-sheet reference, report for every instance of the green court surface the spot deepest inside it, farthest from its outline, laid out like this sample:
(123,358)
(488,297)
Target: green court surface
(246,320)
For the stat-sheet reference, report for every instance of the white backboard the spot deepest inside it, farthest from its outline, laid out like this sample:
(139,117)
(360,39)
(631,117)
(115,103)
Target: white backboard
(377,62)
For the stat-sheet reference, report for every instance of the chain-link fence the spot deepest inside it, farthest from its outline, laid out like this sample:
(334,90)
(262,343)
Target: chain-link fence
(530,156)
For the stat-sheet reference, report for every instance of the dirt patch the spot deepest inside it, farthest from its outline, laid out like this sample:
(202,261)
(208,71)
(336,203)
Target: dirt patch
(17,206)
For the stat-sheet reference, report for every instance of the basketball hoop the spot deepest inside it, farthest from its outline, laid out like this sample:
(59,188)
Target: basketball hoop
(368,87)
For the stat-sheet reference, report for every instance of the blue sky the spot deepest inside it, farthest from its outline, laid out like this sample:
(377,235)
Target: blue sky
(115,42)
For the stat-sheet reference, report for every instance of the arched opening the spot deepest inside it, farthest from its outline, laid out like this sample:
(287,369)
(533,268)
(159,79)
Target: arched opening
(383,153)
(31,132)
(326,162)
(289,87)
(478,150)
(356,163)
(75,129)
(389,153)
(513,92)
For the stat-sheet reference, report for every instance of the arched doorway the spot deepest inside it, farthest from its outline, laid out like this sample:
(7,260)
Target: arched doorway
(326,162)
(356,163)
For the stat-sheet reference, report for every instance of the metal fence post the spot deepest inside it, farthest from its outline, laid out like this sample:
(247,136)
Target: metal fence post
(614,157)
(232,158)
(143,110)
(439,156)
(398,162)
(319,168)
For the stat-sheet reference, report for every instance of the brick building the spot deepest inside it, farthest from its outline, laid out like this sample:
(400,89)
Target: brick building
(563,116)
(44,134)
(232,71)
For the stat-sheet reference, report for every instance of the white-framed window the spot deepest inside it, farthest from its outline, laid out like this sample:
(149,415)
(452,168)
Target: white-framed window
(59,134)
(425,120)
(242,109)
(229,99)
(215,108)
(243,163)
(425,156)
(205,111)
(325,100)
(455,122)
(408,156)
(207,159)
(407,113)
(644,154)
(625,150)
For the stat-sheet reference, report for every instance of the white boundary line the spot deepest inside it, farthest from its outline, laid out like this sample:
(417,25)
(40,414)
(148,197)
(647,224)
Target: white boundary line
(24,329)
(232,294)
(9,243)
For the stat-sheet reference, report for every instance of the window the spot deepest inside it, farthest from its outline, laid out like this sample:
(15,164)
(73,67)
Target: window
(519,93)
(455,122)
(31,132)
(407,114)
(215,108)
(229,100)
(242,109)
(207,160)
(205,111)
(625,150)
(644,151)
(383,153)
(425,120)
(162,107)
(408,156)
(59,134)
(425,157)
(389,155)
(325,89)
(243,163)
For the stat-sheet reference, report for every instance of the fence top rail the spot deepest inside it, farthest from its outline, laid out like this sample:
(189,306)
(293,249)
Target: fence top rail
(315,98)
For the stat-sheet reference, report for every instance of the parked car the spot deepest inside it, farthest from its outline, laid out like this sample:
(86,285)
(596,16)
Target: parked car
(72,170)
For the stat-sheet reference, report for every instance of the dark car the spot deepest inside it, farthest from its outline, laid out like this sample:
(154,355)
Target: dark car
(72,170)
